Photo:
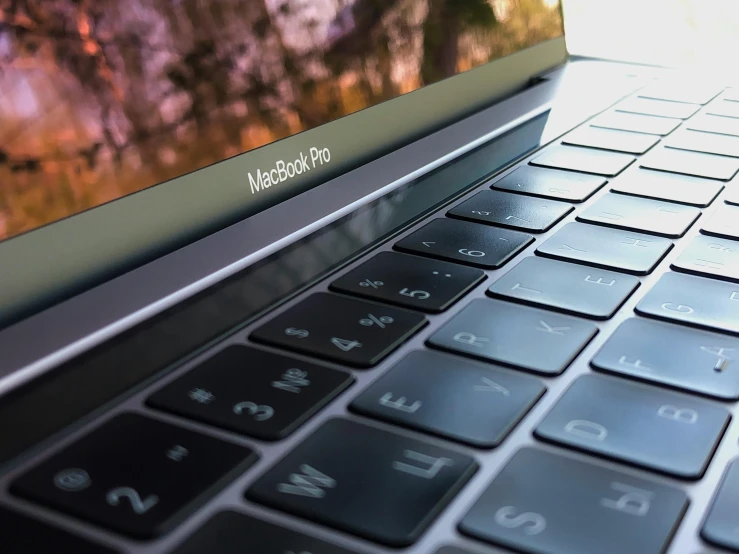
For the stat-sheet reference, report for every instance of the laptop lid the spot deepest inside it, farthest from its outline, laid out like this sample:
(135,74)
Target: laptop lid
(129,131)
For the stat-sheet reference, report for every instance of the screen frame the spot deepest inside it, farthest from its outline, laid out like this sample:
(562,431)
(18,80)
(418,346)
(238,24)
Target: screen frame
(57,261)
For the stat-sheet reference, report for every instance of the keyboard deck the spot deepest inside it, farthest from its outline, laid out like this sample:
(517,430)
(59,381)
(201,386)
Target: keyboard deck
(548,365)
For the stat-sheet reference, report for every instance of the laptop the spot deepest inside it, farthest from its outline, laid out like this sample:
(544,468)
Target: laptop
(361,277)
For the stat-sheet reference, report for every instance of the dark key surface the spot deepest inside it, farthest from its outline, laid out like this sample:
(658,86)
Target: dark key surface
(570,288)
(511,210)
(723,223)
(425,388)
(607,248)
(410,281)
(715,124)
(637,123)
(721,526)
(640,214)
(689,359)
(693,300)
(20,534)
(724,108)
(544,503)
(690,163)
(644,425)
(709,143)
(551,183)
(661,108)
(134,475)
(252,392)
(610,139)
(502,332)
(668,186)
(681,91)
(470,243)
(710,256)
(372,483)
(234,533)
(354,332)
(587,160)
(452,550)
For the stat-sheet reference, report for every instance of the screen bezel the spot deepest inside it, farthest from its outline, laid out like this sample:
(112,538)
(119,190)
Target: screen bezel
(57,261)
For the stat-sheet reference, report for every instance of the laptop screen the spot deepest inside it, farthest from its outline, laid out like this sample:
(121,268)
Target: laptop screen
(102,99)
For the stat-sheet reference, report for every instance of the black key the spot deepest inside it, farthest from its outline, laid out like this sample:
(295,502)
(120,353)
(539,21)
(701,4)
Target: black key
(511,210)
(451,550)
(668,186)
(134,475)
(693,300)
(710,256)
(586,160)
(469,243)
(708,143)
(687,359)
(724,108)
(721,527)
(503,333)
(661,108)
(410,281)
(723,223)
(249,391)
(609,139)
(608,248)
(346,330)
(487,402)
(545,503)
(24,535)
(375,484)
(640,214)
(550,183)
(691,163)
(234,533)
(682,91)
(636,123)
(571,288)
(644,425)
(714,124)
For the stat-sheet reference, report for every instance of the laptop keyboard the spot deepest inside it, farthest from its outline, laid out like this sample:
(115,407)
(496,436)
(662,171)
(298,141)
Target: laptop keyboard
(451,355)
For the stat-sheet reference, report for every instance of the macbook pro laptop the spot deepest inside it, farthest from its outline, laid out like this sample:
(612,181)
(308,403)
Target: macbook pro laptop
(360,277)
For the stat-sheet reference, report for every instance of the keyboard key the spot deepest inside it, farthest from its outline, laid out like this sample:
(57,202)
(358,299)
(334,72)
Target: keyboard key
(587,160)
(649,106)
(691,163)
(570,288)
(607,248)
(710,256)
(724,108)
(451,550)
(636,123)
(723,223)
(704,142)
(376,484)
(608,139)
(346,330)
(470,243)
(511,210)
(720,527)
(693,300)
(668,186)
(487,402)
(234,533)
(550,183)
(410,281)
(502,332)
(252,392)
(24,535)
(640,214)
(546,503)
(134,475)
(640,424)
(715,124)
(697,361)
(681,91)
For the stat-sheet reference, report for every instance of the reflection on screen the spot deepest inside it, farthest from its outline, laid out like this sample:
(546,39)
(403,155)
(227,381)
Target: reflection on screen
(101,98)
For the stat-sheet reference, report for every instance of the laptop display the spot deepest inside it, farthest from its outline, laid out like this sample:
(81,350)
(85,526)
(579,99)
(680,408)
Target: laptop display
(101,102)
